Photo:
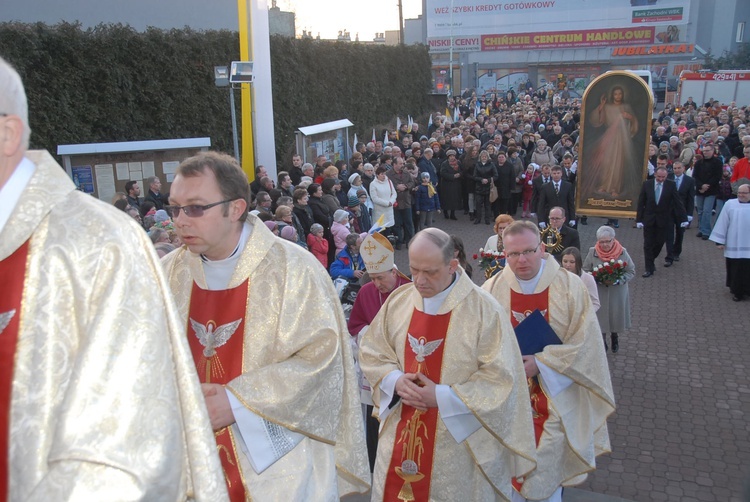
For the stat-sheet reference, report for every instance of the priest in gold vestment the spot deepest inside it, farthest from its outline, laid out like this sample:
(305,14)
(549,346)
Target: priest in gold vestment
(270,343)
(98,396)
(573,397)
(448,386)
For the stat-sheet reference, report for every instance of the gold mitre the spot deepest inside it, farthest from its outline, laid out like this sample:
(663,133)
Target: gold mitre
(377,253)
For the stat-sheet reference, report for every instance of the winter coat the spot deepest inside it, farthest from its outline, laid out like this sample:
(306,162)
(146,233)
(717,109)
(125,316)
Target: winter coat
(423,201)
(481,172)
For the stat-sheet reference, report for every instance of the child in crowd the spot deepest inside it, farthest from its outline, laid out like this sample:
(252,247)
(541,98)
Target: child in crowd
(317,244)
(427,201)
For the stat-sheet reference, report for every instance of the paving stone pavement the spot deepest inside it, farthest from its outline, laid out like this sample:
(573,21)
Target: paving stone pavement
(681,430)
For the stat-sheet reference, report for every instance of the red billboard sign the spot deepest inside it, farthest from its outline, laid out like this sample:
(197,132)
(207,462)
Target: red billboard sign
(565,39)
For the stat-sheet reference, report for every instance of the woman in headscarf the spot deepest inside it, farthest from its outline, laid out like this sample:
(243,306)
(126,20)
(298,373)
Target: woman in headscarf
(614,313)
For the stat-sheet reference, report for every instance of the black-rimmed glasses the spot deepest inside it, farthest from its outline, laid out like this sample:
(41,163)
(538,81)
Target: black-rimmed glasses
(526,253)
(192,210)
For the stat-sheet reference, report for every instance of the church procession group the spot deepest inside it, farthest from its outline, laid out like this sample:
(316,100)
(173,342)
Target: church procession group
(228,370)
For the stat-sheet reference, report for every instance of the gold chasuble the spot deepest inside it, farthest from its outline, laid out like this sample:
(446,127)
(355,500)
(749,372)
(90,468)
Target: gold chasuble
(411,462)
(104,401)
(215,338)
(469,345)
(287,360)
(575,429)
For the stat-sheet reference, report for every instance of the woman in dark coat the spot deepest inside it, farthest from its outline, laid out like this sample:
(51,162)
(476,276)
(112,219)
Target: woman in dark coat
(484,175)
(450,185)
(504,182)
(303,211)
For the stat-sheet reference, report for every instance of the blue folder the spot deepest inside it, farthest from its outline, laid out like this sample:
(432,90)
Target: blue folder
(534,333)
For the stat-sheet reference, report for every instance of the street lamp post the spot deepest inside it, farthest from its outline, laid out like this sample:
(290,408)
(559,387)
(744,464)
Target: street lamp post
(221,79)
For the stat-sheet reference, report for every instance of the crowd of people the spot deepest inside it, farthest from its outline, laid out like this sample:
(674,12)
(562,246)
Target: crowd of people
(237,346)
(516,156)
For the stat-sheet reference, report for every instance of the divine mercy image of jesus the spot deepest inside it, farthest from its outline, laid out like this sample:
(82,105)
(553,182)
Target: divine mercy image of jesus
(614,144)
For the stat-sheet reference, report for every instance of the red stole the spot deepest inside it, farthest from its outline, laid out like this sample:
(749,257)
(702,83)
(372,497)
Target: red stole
(12,276)
(216,335)
(526,304)
(410,470)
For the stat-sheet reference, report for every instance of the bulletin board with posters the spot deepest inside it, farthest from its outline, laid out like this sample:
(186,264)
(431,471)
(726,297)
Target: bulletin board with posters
(102,169)
(330,139)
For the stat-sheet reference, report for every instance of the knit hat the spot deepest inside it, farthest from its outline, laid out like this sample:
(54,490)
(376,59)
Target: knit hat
(341,215)
(353,201)
(161,215)
(353,177)
(287,232)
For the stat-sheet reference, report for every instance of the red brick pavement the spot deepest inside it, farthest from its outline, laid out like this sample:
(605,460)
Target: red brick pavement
(681,429)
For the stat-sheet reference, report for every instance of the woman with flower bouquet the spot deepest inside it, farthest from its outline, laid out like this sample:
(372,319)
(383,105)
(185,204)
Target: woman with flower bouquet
(491,257)
(491,261)
(612,268)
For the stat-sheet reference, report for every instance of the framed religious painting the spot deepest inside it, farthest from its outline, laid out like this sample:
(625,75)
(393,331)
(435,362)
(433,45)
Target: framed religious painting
(613,148)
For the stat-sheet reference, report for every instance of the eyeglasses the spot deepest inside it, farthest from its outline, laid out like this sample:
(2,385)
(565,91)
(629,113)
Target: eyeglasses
(516,255)
(610,241)
(193,210)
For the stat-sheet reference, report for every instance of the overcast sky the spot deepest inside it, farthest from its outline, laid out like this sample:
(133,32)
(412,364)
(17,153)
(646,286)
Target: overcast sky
(328,17)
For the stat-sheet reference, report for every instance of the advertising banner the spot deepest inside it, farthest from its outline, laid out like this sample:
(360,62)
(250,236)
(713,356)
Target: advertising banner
(460,44)
(566,39)
(466,18)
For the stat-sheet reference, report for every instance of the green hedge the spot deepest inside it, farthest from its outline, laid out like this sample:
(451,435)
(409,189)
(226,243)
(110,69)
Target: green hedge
(112,83)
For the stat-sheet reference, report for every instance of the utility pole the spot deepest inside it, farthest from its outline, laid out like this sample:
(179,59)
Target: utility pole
(451,52)
(400,22)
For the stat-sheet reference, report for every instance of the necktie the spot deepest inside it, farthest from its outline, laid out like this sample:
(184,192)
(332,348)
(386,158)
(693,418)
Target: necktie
(658,192)
(679,180)
(546,180)
(557,188)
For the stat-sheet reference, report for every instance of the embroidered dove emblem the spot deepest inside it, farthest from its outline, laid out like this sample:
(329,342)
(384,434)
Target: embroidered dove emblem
(5,318)
(210,338)
(520,316)
(422,349)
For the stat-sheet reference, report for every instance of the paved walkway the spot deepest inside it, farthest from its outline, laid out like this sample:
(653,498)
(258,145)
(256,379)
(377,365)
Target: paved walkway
(681,430)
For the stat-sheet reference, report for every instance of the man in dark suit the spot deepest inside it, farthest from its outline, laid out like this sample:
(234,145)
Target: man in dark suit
(133,191)
(557,192)
(570,174)
(567,166)
(686,192)
(659,206)
(536,187)
(255,186)
(570,237)
(154,192)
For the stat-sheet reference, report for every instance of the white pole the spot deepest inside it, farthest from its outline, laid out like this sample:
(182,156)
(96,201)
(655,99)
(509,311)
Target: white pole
(451,51)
